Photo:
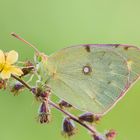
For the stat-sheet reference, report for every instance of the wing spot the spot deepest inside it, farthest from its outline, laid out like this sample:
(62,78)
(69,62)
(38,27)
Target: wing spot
(117,45)
(87,47)
(87,70)
(126,48)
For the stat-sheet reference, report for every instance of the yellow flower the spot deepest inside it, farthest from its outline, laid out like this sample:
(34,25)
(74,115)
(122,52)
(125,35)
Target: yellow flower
(6,64)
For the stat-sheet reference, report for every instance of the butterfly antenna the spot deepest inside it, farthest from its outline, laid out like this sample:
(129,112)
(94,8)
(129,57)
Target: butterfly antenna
(26,42)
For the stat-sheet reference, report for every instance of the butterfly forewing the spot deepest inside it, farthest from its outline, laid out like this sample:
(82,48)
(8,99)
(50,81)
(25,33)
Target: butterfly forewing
(91,77)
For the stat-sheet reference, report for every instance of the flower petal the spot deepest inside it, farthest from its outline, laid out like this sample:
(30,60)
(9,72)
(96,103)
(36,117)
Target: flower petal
(2,59)
(8,70)
(5,74)
(11,57)
(16,71)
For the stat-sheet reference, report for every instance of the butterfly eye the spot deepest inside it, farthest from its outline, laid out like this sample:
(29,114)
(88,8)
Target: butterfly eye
(87,69)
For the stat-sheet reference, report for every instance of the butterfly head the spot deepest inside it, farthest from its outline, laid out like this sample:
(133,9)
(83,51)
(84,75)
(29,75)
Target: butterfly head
(41,57)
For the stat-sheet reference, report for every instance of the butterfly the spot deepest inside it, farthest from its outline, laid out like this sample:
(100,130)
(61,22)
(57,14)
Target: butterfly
(91,77)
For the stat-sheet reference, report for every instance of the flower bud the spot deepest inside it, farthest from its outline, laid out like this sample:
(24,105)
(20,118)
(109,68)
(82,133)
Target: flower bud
(34,90)
(44,113)
(68,127)
(3,84)
(28,68)
(111,134)
(63,104)
(89,117)
(41,92)
(17,88)
(99,137)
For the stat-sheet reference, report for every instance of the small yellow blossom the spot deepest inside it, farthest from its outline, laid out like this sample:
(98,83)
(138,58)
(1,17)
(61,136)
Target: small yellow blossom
(6,64)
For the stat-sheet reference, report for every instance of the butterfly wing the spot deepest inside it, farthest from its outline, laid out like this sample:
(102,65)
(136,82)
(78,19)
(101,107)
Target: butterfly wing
(93,77)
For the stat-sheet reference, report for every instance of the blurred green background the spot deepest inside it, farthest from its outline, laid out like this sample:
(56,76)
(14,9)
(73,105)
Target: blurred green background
(55,24)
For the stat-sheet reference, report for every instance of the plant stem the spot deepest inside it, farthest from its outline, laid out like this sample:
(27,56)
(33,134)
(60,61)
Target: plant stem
(71,116)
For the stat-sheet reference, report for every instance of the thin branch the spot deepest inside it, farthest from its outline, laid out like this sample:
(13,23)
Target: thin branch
(24,41)
(71,116)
